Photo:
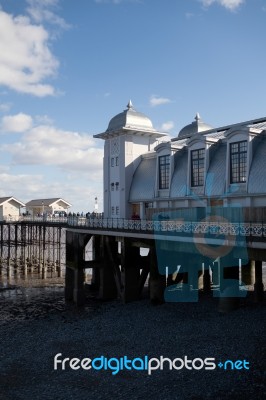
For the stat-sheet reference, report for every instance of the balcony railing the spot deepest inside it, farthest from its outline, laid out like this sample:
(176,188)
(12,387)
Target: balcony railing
(175,227)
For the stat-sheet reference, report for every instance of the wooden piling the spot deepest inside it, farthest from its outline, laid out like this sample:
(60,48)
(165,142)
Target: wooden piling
(258,285)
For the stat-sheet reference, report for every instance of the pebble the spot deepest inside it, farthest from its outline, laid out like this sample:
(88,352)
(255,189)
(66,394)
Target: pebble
(38,324)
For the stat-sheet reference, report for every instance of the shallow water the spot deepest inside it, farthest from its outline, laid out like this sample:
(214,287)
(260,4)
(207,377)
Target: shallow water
(32,297)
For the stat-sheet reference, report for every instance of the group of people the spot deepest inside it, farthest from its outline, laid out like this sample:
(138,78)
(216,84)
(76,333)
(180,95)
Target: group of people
(87,215)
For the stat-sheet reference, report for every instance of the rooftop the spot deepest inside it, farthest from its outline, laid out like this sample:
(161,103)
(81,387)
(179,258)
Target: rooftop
(195,127)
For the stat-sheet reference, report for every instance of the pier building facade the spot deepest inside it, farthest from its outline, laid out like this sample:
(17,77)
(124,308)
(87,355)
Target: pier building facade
(146,171)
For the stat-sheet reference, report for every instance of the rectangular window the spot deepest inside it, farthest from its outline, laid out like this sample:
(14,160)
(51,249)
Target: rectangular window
(148,205)
(113,210)
(112,162)
(112,187)
(238,162)
(117,186)
(117,210)
(164,172)
(197,167)
(117,161)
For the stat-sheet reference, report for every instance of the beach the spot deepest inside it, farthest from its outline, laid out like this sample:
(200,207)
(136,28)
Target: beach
(36,324)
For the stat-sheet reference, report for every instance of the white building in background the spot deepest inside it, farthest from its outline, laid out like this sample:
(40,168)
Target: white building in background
(55,206)
(129,135)
(203,166)
(10,208)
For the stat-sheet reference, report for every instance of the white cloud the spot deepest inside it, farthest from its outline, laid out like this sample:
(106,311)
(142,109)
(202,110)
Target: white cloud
(5,107)
(25,58)
(50,146)
(4,168)
(116,1)
(108,1)
(42,11)
(16,123)
(14,185)
(26,187)
(43,120)
(229,4)
(20,179)
(189,15)
(157,101)
(57,163)
(167,126)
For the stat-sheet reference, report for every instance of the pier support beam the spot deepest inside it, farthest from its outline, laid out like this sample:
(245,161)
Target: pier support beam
(9,268)
(25,269)
(157,281)
(216,272)
(200,277)
(95,280)
(206,280)
(258,286)
(248,273)
(108,269)
(74,281)
(229,278)
(44,270)
(58,269)
(130,272)
(107,290)
(229,286)
(78,292)
(69,284)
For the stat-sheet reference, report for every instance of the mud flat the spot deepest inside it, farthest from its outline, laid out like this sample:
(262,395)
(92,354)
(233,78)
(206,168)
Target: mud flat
(36,324)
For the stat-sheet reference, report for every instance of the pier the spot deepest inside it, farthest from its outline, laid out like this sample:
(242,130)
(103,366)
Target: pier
(218,253)
(174,256)
(181,216)
(36,246)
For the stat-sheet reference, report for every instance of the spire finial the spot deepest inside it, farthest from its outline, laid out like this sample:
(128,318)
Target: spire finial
(129,105)
(197,117)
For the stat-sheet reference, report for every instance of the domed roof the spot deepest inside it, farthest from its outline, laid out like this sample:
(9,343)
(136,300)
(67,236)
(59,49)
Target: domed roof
(196,126)
(130,118)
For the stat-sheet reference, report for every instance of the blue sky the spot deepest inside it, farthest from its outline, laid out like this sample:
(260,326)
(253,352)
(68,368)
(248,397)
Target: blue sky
(67,67)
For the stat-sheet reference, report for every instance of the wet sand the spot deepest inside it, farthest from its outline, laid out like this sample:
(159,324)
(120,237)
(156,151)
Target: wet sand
(36,324)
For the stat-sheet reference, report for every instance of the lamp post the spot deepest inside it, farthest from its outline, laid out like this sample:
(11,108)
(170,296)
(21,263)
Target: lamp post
(96,205)
(43,209)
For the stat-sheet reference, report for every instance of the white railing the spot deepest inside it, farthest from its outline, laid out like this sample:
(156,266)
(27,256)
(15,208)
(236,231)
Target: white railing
(45,218)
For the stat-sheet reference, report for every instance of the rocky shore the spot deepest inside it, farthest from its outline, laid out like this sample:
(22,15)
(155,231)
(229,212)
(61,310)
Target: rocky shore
(36,324)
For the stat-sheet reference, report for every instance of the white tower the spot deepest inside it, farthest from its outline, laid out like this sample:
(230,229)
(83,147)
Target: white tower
(129,134)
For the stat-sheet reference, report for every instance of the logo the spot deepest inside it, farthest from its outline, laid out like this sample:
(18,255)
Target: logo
(115,365)
(200,240)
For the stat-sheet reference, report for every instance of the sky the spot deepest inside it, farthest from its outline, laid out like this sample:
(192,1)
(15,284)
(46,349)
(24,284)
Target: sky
(68,66)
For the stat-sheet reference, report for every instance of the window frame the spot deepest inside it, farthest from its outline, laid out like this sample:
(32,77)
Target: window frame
(197,167)
(164,172)
(238,162)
